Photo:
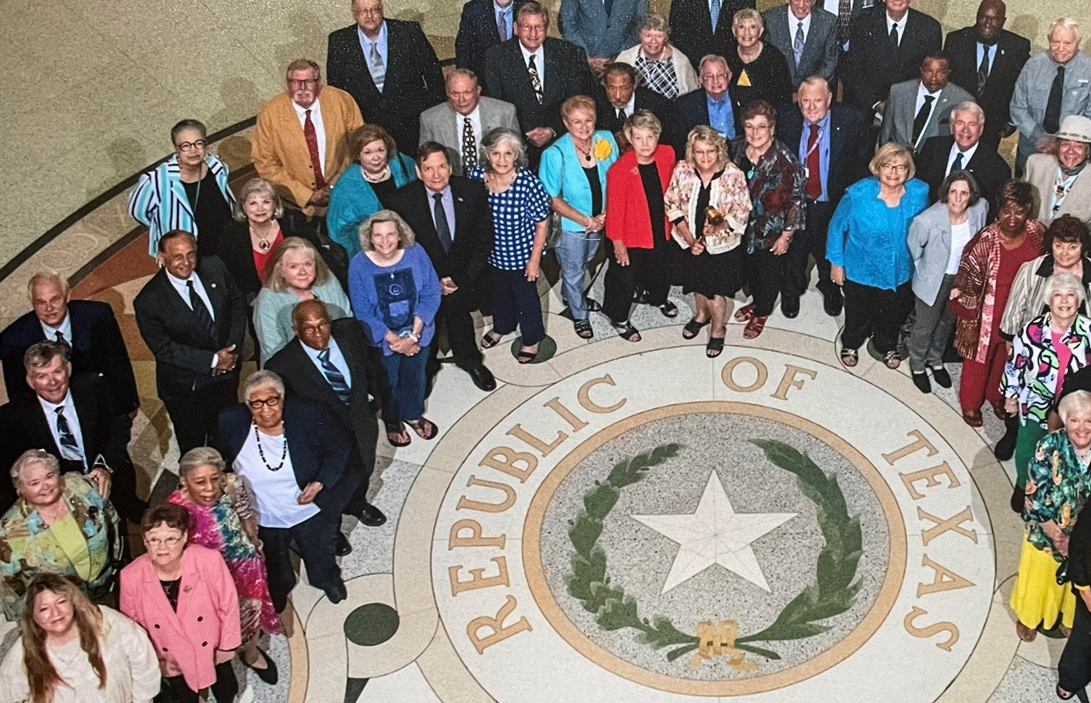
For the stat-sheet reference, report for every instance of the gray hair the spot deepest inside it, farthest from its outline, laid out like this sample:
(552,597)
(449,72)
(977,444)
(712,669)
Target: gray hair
(498,137)
(197,457)
(1067,23)
(656,22)
(815,82)
(31,457)
(46,277)
(406,236)
(747,14)
(1064,283)
(971,107)
(259,379)
(712,58)
(43,353)
(1078,402)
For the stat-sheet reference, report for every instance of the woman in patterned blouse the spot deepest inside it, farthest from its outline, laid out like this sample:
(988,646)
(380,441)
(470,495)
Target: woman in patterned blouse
(659,65)
(520,215)
(1056,491)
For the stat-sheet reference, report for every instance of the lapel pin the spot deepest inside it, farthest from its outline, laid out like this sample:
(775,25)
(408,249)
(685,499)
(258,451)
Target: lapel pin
(213,285)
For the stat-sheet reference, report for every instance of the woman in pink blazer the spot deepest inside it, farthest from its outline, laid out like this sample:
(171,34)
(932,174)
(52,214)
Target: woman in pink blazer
(183,595)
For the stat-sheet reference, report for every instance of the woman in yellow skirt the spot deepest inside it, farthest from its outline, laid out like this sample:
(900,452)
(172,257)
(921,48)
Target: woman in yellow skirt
(1058,485)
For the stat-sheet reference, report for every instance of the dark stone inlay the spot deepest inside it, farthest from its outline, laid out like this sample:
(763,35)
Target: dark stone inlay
(372,624)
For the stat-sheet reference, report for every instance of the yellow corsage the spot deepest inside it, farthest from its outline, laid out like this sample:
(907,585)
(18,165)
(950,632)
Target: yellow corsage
(603,149)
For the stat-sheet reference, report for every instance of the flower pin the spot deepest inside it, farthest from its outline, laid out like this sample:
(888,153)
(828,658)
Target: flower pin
(602,149)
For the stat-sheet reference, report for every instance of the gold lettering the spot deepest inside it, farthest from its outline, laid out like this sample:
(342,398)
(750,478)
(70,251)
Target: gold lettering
(544,449)
(584,396)
(946,580)
(465,503)
(789,380)
(920,443)
(476,539)
(476,580)
(496,624)
(946,525)
(931,630)
(504,459)
(728,374)
(567,415)
(929,476)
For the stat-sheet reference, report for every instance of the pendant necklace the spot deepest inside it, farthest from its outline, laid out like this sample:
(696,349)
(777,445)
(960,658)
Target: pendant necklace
(586,154)
(261,452)
(263,242)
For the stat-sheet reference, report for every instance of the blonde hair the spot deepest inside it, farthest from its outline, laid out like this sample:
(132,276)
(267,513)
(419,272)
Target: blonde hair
(42,676)
(274,275)
(704,133)
(747,14)
(643,119)
(577,102)
(406,238)
(889,152)
(257,185)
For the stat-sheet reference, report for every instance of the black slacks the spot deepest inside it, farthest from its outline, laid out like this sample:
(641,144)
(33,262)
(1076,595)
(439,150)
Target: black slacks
(765,274)
(194,414)
(1074,669)
(455,311)
(807,242)
(224,690)
(876,313)
(648,270)
(315,539)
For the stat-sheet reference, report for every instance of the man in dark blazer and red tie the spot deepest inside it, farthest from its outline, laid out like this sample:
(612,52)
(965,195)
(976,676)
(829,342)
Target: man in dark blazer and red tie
(193,318)
(697,34)
(451,217)
(484,24)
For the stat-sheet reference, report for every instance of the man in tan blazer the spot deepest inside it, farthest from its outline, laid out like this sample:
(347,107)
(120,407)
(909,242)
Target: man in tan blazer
(300,142)
(1062,183)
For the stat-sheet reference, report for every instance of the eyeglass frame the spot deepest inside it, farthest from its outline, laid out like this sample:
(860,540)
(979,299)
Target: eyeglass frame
(187,146)
(259,403)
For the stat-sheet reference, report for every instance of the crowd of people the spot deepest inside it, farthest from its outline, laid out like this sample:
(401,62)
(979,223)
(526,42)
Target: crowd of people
(393,202)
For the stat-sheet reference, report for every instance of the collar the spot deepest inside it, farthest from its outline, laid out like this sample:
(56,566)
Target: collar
(301,111)
(368,41)
(891,21)
(823,124)
(474,114)
(64,328)
(713,100)
(313,353)
(794,21)
(496,9)
(921,90)
(966,155)
(1045,269)
(539,52)
(989,44)
(52,407)
(181,282)
(446,192)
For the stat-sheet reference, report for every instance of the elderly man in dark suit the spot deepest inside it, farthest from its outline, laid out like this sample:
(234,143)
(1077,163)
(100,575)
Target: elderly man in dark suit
(536,73)
(964,148)
(986,60)
(76,420)
(193,318)
(887,46)
(462,122)
(453,222)
(618,97)
(807,36)
(921,108)
(712,105)
(389,68)
(483,25)
(88,327)
(703,27)
(831,143)
(327,363)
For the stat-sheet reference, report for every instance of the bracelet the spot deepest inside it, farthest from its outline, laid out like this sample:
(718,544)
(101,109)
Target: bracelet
(414,337)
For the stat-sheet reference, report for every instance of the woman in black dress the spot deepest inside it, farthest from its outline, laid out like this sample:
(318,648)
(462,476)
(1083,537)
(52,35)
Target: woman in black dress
(758,71)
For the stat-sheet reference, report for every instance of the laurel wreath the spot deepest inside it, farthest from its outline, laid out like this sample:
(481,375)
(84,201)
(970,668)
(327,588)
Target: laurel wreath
(833,592)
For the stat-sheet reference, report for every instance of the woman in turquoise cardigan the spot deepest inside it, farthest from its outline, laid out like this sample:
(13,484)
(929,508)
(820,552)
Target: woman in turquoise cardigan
(365,188)
(573,171)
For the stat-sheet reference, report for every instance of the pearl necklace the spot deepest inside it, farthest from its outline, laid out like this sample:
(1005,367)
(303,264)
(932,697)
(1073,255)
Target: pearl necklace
(261,452)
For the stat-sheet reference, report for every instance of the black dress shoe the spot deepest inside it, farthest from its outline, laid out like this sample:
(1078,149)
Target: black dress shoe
(832,301)
(343,547)
(269,674)
(789,305)
(1018,499)
(337,592)
(920,380)
(372,516)
(482,377)
(941,377)
(1005,448)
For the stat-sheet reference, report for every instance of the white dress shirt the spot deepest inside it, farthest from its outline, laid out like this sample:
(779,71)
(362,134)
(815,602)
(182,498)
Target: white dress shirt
(966,156)
(475,124)
(793,24)
(901,26)
(336,358)
(921,92)
(319,128)
(69,413)
(539,62)
(65,329)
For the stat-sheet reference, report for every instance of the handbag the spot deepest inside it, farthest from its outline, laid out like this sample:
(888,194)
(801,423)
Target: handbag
(553,235)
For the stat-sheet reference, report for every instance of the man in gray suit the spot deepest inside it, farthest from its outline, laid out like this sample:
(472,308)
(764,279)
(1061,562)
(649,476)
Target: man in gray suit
(921,108)
(461,122)
(807,36)
(602,28)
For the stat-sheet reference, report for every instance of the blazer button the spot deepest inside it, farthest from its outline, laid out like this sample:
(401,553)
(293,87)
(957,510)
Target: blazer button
(204,644)
(200,618)
(157,626)
(164,649)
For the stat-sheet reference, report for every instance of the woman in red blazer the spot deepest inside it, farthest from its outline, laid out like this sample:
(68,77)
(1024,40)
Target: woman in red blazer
(636,225)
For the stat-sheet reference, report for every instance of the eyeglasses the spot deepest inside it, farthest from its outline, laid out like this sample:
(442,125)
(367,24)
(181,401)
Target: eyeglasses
(157,542)
(259,403)
(895,167)
(302,82)
(189,146)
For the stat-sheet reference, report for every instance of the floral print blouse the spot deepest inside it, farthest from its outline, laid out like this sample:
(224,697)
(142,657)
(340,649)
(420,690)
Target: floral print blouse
(1057,488)
(1032,371)
(776,188)
(728,195)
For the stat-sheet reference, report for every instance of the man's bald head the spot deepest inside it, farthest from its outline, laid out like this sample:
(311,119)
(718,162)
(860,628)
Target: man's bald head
(991,16)
(311,322)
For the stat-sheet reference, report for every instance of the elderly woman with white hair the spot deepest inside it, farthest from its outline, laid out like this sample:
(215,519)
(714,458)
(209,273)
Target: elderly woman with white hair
(520,215)
(758,70)
(659,65)
(290,456)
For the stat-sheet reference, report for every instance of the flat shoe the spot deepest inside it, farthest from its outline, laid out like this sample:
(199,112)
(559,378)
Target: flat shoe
(526,357)
(490,340)
(891,359)
(1025,633)
(593,305)
(669,309)
(850,358)
(941,377)
(425,428)
(395,437)
(583,329)
(972,418)
(745,313)
(714,347)
(627,332)
(269,674)
(920,380)
(693,328)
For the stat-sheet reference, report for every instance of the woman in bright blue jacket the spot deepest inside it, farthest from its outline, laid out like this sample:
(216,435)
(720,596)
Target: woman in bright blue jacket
(869,253)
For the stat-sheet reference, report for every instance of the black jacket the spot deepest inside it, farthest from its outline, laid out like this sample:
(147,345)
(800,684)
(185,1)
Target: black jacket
(477,33)
(691,27)
(850,149)
(990,170)
(645,99)
(873,65)
(691,110)
(1011,52)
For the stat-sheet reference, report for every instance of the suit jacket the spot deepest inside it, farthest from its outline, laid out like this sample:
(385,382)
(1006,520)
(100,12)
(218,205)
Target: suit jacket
(317,444)
(477,33)
(280,151)
(566,74)
(183,349)
(901,110)
(357,417)
(645,99)
(440,124)
(691,27)
(820,49)
(586,24)
(850,149)
(413,82)
(473,231)
(1009,55)
(691,110)
(1041,174)
(97,348)
(872,65)
(989,168)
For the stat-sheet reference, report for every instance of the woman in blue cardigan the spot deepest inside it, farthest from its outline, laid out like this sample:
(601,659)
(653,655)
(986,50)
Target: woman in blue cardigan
(573,171)
(380,170)
(869,253)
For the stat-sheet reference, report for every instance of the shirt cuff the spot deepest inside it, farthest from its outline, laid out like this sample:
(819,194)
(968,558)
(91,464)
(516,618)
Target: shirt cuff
(215,360)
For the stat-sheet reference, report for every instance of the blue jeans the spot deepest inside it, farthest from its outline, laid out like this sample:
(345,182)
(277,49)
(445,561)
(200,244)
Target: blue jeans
(407,383)
(574,251)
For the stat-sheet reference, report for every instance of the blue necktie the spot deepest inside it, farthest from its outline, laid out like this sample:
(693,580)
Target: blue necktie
(957,164)
(204,317)
(70,449)
(714,9)
(334,376)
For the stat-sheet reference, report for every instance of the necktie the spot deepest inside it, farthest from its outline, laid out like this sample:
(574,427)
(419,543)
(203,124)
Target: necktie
(921,119)
(502,26)
(797,47)
(378,71)
(334,376)
(1052,121)
(814,170)
(844,20)
(956,165)
(714,10)
(443,228)
(469,145)
(61,339)
(983,69)
(311,136)
(535,79)
(620,124)
(894,35)
(607,5)
(204,318)
(70,449)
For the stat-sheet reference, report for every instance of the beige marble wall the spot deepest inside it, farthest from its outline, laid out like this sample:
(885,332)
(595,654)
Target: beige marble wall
(90,90)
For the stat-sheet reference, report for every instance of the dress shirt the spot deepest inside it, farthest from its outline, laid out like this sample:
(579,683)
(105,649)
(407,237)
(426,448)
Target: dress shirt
(505,12)
(966,156)
(475,124)
(981,48)
(183,290)
(921,92)
(65,329)
(823,151)
(73,425)
(319,126)
(629,108)
(793,24)
(901,26)
(380,41)
(539,62)
(448,208)
(336,358)
(721,116)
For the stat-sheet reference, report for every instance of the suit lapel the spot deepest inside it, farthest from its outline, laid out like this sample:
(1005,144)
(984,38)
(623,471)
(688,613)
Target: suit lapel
(85,410)
(393,59)
(41,424)
(551,87)
(312,375)
(81,333)
(461,215)
(214,290)
(450,131)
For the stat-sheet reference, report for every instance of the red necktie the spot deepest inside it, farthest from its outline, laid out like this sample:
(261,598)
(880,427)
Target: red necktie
(814,175)
(312,146)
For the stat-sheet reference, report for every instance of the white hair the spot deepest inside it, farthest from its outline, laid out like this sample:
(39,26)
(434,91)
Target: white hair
(1067,23)
(259,379)
(1065,283)
(1078,402)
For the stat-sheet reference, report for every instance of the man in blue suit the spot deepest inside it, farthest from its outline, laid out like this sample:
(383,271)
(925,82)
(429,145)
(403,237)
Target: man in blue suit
(602,28)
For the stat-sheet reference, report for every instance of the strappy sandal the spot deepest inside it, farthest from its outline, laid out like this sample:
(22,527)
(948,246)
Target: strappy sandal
(891,359)
(490,340)
(627,332)
(526,357)
(669,310)
(714,347)
(1025,633)
(583,329)
(694,327)
(398,437)
(754,327)
(593,305)
(745,313)
(972,418)
(850,357)
(425,428)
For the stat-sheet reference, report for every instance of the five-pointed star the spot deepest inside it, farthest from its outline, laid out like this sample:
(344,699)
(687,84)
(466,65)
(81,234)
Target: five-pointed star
(715,534)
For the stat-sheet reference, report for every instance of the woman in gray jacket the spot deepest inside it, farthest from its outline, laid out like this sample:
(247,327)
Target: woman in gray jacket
(937,237)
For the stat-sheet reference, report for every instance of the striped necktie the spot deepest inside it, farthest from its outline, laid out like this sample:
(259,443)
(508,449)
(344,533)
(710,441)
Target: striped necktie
(70,449)
(334,376)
